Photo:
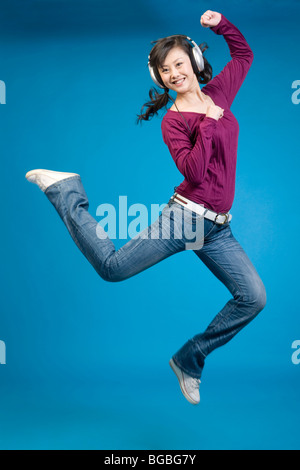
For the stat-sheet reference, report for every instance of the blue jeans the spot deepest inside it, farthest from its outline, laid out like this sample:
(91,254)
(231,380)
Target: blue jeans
(220,252)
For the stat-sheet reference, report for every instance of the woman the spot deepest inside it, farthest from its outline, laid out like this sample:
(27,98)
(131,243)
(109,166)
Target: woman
(202,134)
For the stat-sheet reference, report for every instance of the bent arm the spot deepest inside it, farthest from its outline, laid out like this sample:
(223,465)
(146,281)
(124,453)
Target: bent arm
(191,161)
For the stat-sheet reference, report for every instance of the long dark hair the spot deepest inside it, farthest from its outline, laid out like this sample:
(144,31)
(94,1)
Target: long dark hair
(156,59)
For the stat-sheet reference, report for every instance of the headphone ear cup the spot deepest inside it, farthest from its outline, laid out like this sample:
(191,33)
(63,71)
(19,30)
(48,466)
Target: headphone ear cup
(153,76)
(197,54)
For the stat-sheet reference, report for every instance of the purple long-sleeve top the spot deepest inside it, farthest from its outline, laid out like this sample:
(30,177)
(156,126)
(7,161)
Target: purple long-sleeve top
(207,158)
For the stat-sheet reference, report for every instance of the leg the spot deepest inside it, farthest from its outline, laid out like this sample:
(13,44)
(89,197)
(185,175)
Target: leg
(148,248)
(224,256)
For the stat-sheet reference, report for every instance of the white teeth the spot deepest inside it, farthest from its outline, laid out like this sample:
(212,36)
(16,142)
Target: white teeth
(178,81)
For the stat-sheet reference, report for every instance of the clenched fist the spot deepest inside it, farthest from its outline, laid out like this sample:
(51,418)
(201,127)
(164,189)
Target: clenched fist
(210,19)
(214,112)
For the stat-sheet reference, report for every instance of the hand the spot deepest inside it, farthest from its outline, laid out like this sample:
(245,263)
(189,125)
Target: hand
(215,112)
(210,19)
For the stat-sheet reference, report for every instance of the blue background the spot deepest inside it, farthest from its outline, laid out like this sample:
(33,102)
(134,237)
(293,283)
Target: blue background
(87,361)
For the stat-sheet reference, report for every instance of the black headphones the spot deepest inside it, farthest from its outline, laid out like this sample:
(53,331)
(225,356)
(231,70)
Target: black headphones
(196,60)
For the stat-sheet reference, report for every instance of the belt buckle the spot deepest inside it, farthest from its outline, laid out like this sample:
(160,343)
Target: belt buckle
(226,218)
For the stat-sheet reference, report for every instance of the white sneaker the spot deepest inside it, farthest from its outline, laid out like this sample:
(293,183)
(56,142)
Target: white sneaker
(44,178)
(189,385)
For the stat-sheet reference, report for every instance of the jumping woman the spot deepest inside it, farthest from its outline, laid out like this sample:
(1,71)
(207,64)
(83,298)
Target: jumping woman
(202,136)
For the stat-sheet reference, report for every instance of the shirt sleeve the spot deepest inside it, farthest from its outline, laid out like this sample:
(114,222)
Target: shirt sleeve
(230,79)
(191,160)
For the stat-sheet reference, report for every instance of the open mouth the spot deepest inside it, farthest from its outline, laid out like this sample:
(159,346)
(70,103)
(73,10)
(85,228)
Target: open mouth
(178,82)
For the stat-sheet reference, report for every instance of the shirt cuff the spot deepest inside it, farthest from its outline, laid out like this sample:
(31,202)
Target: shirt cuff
(218,29)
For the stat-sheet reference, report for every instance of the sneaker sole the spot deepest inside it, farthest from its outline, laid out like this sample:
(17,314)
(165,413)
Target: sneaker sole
(41,171)
(177,371)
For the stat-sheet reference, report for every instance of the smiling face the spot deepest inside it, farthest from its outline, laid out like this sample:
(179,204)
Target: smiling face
(177,72)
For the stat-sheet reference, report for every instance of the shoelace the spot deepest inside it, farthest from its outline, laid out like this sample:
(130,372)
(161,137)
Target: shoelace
(195,382)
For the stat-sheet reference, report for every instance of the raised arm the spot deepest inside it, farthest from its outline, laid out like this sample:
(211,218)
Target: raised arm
(230,79)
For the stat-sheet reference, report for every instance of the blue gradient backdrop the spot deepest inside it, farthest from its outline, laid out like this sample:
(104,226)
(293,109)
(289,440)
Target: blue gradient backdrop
(87,361)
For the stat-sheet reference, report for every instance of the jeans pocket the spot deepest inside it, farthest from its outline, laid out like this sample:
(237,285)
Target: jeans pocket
(209,227)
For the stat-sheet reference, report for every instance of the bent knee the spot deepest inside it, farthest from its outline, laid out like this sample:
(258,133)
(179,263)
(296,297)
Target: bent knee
(261,299)
(255,298)
(112,276)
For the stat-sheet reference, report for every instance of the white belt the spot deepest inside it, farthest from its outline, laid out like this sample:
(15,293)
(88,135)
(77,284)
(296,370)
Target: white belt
(208,214)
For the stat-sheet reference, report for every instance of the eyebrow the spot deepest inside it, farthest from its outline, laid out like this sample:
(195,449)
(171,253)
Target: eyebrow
(179,58)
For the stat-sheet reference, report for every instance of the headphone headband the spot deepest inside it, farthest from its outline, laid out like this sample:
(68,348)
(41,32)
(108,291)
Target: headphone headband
(196,59)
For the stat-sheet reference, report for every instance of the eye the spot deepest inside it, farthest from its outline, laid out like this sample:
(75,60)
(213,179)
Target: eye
(179,64)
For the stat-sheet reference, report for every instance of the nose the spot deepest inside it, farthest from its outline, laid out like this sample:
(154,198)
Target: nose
(174,75)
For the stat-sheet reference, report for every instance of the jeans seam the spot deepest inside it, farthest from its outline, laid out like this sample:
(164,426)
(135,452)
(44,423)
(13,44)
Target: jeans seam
(77,227)
(198,347)
(222,317)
